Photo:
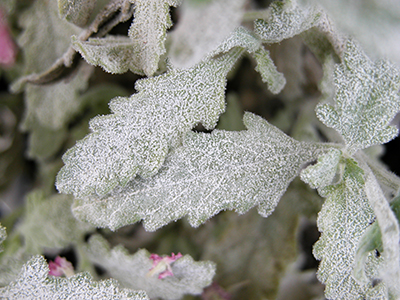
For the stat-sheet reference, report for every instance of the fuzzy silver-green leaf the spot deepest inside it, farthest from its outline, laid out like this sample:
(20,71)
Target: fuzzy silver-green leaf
(209,173)
(345,216)
(132,271)
(285,20)
(136,138)
(115,54)
(366,100)
(34,282)
(148,31)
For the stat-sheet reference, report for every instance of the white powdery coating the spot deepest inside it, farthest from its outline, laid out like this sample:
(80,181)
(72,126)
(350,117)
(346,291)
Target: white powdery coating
(115,54)
(148,31)
(76,11)
(33,283)
(285,21)
(136,138)
(191,42)
(190,277)
(366,100)
(344,217)
(209,173)
(322,174)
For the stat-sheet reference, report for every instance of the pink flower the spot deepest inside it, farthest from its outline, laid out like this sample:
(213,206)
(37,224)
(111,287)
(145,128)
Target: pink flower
(162,265)
(8,50)
(60,267)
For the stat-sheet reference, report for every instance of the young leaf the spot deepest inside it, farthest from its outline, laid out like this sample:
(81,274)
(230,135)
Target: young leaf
(323,173)
(33,283)
(211,172)
(344,218)
(136,138)
(269,74)
(114,54)
(286,20)
(367,100)
(134,271)
(148,31)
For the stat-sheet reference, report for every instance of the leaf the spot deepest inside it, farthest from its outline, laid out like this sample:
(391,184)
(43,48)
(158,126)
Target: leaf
(33,283)
(76,11)
(323,173)
(132,271)
(376,25)
(209,173)
(241,37)
(137,137)
(57,227)
(269,74)
(148,31)
(115,54)
(44,119)
(286,19)
(390,234)
(190,43)
(345,216)
(367,100)
(45,37)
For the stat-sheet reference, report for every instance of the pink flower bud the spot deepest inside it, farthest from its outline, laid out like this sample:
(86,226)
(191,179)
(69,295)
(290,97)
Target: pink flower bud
(162,265)
(60,267)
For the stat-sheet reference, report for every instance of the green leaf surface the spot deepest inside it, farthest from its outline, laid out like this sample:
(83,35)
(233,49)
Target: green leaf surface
(209,173)
(33,283)
(57,227)
(148,31)
(136,138)
(115,54)
(76,11)
(366,100)
(132,271)
(345,216)
(286,20)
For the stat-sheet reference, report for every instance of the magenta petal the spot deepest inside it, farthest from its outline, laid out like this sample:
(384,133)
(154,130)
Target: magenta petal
(55,269)
(164,274)
(8,49)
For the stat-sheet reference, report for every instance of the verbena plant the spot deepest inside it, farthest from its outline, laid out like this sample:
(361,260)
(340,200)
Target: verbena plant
(143,162)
